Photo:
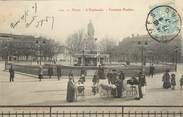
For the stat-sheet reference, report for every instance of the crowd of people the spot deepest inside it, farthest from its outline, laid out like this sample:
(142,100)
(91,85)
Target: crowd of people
(114,77)
(169,81)
(50,72)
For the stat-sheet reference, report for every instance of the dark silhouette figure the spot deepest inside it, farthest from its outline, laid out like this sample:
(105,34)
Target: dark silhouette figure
(59,72)
(173,81)
(40,75)
(166,80)
(12,74)
(118,88)
(141,83)
(151,71)
(181,82)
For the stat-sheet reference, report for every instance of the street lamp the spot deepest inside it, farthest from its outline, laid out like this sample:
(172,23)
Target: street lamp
(141,44)
(176,54)
(6,57)
(83,58)
(150,57)
(98,53)
(39,45)
(83,52)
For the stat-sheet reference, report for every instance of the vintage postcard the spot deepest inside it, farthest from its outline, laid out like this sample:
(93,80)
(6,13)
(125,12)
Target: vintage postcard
(91,58)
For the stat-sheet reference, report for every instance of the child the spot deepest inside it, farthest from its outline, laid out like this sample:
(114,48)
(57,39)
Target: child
(81,87)
(181,82)
(173,81)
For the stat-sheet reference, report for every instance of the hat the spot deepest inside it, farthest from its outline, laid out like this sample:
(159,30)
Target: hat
(172,74)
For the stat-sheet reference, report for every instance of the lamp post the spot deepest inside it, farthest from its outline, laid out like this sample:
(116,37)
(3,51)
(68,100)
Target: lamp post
(6,57)
(176,56)
(150,52)
(39,45)
(83,52)
(83,58)
(98,53)
(141,44)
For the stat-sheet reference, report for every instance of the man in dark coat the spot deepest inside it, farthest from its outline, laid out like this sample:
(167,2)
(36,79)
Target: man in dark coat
(101,72)
(118,88)
(59,72)
(141,83)
(151,71)
(114,76)
(40,74)
(121,77)
(50,71)
(12,73)
(70,90)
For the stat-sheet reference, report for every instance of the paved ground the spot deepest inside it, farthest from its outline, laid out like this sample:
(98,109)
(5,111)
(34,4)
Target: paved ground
(28,90)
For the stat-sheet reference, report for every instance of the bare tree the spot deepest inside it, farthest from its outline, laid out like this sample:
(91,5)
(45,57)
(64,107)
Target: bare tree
(107,44)
(75,42)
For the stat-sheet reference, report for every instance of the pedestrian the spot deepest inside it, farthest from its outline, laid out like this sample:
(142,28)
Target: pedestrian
(151,70)
(173,81)
(181,82)
(114,76)
(101,72)
(122,78)
(118,87)
(59,72)
(40,74)
(12,73)
(71,96)
(50,71)
(95,81)
(121,75)
(141,83)
(166,80)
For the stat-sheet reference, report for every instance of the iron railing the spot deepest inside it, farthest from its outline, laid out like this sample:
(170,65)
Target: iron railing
(90,111)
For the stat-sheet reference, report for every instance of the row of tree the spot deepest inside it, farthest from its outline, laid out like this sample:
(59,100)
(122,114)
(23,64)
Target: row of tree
(29,48)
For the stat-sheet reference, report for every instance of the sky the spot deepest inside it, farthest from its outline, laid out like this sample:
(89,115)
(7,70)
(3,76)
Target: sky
(60,18)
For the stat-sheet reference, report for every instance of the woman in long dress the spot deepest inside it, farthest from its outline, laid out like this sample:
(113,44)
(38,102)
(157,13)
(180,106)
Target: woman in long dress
(70,90)
(118,87)
(166,80)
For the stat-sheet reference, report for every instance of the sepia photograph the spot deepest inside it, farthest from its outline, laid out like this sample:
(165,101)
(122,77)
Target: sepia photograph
(91,58)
